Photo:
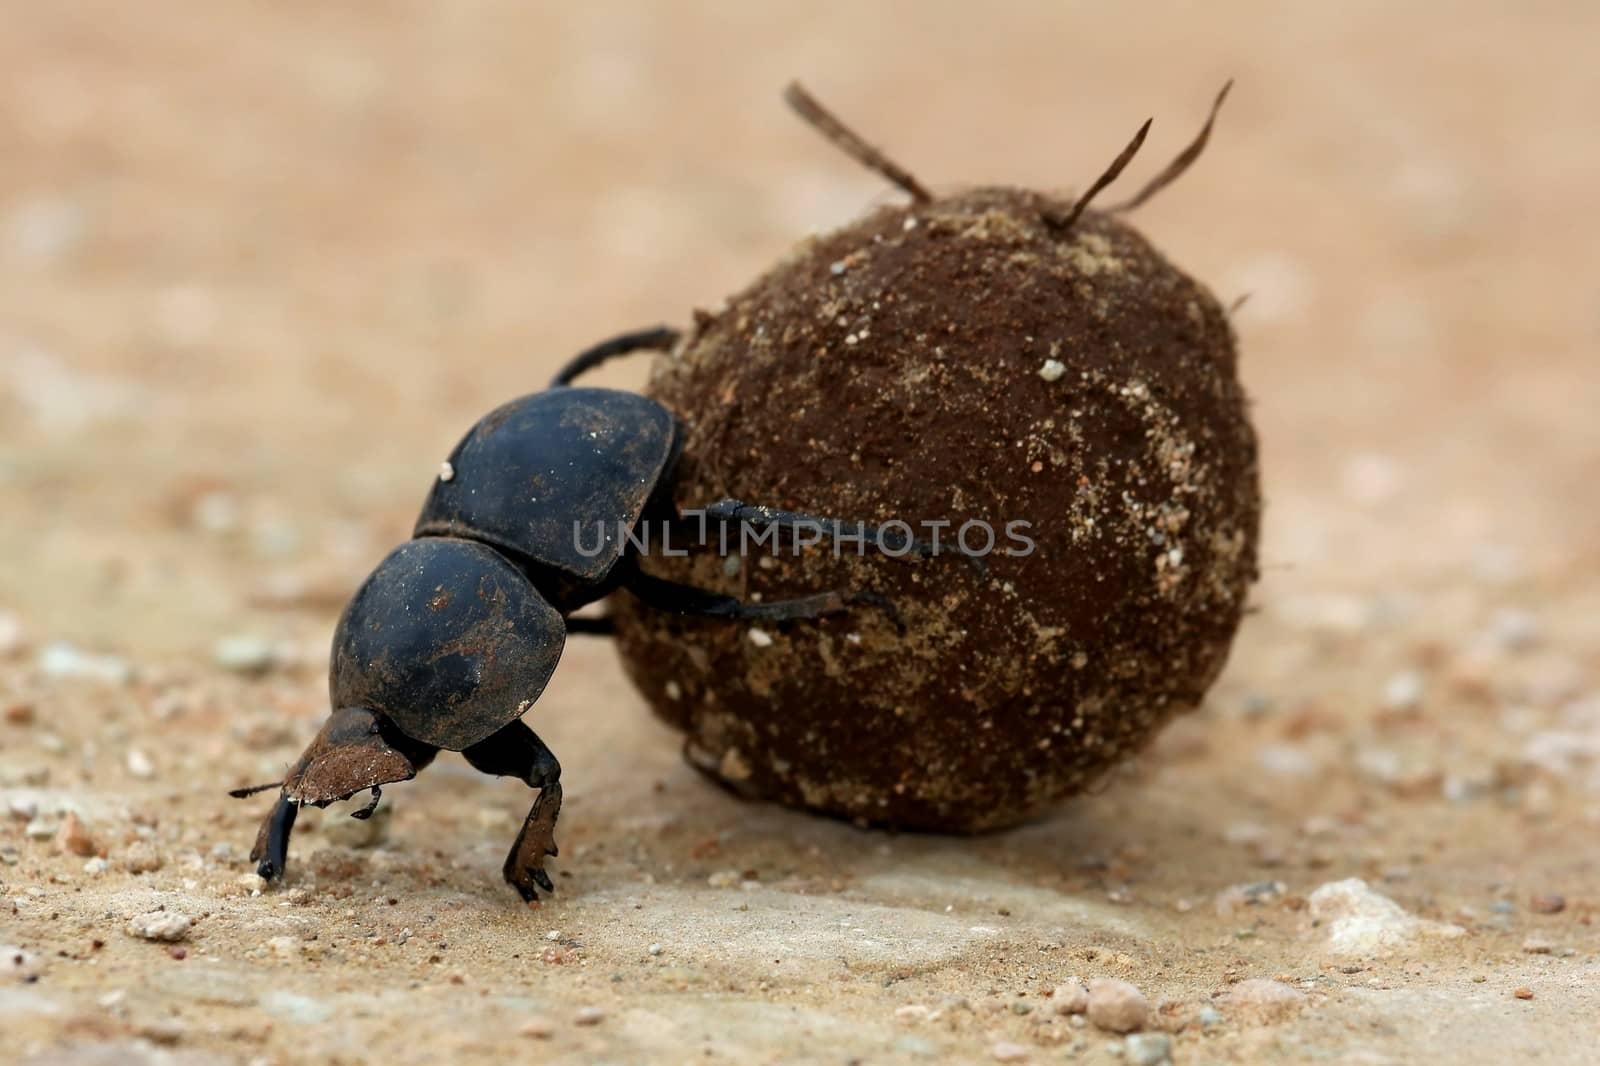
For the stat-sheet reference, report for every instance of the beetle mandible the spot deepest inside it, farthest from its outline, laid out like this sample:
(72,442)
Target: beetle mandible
(455,634)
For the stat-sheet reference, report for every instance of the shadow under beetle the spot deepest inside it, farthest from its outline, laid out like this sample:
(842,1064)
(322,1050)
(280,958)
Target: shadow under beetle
(455,634)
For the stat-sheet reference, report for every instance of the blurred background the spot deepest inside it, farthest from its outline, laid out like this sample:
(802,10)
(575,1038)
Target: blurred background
(260,265)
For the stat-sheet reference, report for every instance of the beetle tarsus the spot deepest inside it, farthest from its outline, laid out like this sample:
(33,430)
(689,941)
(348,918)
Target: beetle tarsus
(514,750)
(372,804)
(524,868)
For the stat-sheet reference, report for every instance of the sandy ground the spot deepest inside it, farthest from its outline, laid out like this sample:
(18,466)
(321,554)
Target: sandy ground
(261,264)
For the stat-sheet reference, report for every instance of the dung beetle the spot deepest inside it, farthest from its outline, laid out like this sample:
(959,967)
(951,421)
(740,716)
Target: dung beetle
(456,633)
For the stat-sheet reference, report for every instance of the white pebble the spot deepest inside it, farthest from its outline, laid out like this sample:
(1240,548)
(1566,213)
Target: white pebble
(654,949)
(1403,691)
(43,231)
(18,964)
(243,653)
(1052,370)
(1513,630)
(1361,922)
(760,638)
(164,926)
(63,661)
(139,764)
(11,640)
(1148,1049)
(446,471)
(217,513)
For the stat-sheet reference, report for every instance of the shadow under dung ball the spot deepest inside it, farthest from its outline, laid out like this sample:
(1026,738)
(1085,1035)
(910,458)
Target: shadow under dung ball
(996,356)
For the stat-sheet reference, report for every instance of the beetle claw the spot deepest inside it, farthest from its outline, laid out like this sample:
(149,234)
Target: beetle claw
(366,812)
(524,868)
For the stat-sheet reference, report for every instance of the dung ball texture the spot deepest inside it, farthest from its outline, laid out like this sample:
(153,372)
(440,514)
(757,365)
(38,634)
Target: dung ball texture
(974,362)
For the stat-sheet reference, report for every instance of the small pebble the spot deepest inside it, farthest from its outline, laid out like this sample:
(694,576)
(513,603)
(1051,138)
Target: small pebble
(1360,922)
(63,661)
(1006,1051)
(1514,630)
(18,965)
(1070,997)
(1052,370)
(1263,999)
(760,638)
(1148,1049)
(538,1028)
(1404,691)
(11,639)
(164,926)
(446,471)
(139,764)
(73,839)
(1523,993)
(1117,1006)
(140,857)
(1209,1017)
(589,1016)
(164,1031)
(654,949)
(244,653)
(1548,903)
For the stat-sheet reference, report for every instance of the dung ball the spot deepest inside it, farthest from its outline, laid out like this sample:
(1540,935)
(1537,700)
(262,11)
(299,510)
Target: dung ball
(1057,395)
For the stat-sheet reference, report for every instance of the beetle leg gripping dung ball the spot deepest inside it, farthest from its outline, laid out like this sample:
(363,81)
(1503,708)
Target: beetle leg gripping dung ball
(1012,368)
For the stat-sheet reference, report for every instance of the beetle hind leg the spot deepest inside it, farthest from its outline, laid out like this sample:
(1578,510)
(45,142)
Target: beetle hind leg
(516,751)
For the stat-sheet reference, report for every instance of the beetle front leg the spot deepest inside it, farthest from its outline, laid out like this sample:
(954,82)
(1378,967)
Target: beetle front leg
(271,850)
(516,751)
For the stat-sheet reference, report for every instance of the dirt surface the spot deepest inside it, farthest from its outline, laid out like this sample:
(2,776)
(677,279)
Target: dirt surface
(261,266)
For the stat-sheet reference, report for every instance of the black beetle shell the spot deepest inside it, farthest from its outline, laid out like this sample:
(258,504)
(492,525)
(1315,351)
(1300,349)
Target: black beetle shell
(530,472)
(447,639)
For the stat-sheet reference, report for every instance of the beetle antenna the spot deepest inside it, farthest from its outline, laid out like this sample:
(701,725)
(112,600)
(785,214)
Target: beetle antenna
(251,790)
(848,141)
(1184,160)
(1110,175)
